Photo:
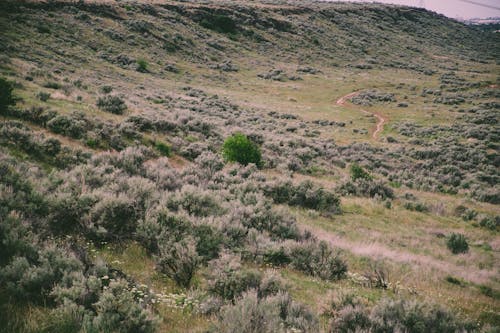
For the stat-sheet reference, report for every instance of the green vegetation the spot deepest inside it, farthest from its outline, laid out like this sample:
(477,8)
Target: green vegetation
(360,168)
(239,148)
(6,97)
(112,104)
(457,243)
(357,172)
(142,66)
(219,23)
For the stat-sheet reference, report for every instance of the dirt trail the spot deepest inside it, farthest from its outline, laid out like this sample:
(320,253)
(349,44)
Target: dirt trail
(381,120)
(378,251)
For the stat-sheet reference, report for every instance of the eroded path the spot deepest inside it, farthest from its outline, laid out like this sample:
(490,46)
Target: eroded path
(380,119)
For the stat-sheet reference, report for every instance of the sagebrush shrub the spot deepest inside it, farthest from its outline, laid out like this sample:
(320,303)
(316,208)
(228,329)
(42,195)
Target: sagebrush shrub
(318,259)
(113,216)
(32,279)
(367,188)
(306,194)
(117,311)
(250,315)
(195,203)
(275,314)
(396,316)
(179,260)
(229,280)
(413,317)
(112,104)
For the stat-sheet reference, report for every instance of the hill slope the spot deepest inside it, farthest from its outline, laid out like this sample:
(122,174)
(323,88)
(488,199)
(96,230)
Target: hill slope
(379,133)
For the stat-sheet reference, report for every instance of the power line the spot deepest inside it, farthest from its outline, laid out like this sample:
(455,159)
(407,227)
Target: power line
(480,4)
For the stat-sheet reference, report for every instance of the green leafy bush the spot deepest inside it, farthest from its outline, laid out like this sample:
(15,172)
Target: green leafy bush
(239,148)
(457,243)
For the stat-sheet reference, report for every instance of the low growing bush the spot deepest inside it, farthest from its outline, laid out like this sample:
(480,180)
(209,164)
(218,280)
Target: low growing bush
(179,260)
(112,104)
(318,259)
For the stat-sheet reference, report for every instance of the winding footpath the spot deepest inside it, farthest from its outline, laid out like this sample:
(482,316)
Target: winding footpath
(342,101)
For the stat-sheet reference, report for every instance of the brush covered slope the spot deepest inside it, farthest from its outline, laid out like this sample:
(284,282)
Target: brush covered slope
(366,198)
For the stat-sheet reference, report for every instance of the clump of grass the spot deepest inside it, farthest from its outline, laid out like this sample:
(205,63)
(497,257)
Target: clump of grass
(457,243)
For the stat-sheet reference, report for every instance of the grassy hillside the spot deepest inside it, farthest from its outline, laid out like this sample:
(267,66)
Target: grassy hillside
(376,196)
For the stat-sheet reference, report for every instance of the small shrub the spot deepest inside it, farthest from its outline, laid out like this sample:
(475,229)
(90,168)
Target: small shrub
(142,66)
(52,85)
(457,243)
(351,318)
(6,97)
(357,172)
(416,206)
(219,23)
(492,223)
(113,217)
(318,259)
(112,104)
(208,241)
(195,203)
(163,148)
(396,316)
(277,256)
(250,315)
(117,311)
(228,280)
(453,280)
(490,292)
(413,317)
(43,96)
(306,195)
(179,261)
(367,188)
(106,89)
(239,148)
(71,126)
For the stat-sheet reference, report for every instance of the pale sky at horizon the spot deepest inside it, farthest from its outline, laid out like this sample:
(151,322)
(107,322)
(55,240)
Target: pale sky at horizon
(451,8)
